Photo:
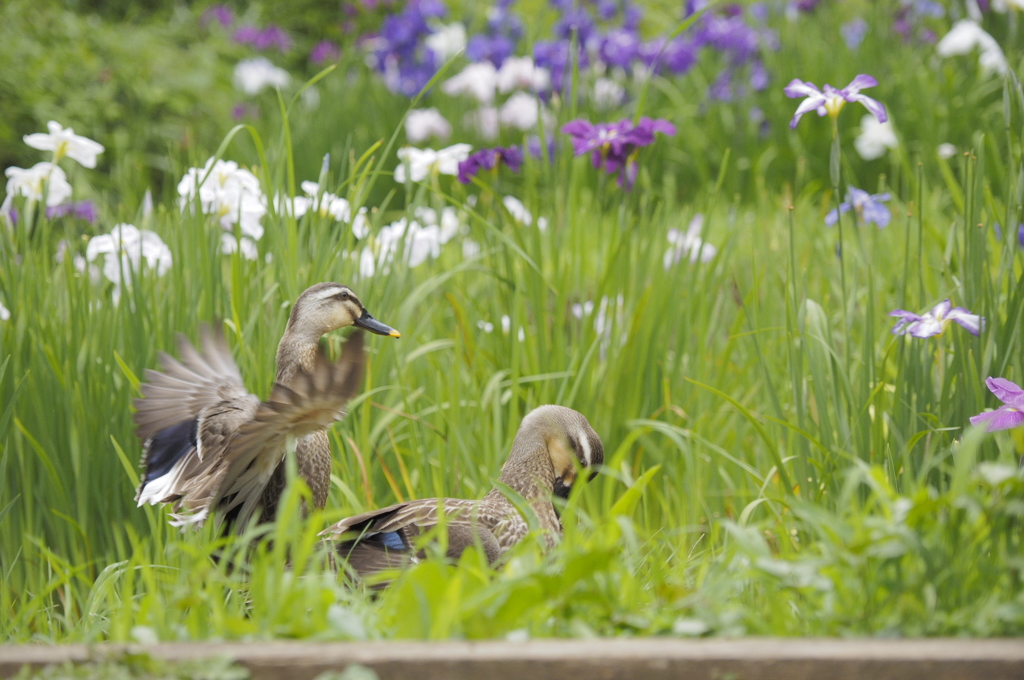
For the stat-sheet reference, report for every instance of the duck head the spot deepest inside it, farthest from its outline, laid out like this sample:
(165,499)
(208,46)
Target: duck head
(562,435)
(329,306)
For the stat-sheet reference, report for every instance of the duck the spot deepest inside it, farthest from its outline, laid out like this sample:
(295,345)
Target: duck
(552,445)
(208,445)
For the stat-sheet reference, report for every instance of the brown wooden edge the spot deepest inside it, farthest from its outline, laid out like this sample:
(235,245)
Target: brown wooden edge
(603,659)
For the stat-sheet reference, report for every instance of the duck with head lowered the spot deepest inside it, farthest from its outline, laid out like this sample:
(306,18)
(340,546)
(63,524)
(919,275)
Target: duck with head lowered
(209,445)
(553,444)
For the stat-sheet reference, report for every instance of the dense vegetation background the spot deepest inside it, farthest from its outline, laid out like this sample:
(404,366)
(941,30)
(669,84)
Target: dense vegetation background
(778,461)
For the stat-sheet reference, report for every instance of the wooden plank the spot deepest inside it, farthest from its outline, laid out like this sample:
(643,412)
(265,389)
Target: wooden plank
(606,659)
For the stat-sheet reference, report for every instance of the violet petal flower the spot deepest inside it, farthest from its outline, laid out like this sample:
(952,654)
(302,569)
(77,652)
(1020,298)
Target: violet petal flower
(246,35)
(619,47)
(82,210)
(905,319)
(758,76)
(831,101)
(677,57)
(325,50)
(730,35)
(222,14)
(1010,414)
(851,93)
(972,322)
(613,146)
(854,32)
(488,159)
(533,146)
(814,101)
(936,321)
(272,36)
(867,207)
(495,49)
(722,89)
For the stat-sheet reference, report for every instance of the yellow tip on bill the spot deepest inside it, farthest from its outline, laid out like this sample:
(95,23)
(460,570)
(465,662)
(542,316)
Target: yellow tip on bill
(395,334)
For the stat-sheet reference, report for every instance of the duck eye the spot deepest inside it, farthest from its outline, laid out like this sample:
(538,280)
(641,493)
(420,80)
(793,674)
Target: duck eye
(344,296)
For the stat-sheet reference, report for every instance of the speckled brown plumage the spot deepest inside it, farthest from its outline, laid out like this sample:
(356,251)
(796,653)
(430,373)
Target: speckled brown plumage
(210,445)
(552,442)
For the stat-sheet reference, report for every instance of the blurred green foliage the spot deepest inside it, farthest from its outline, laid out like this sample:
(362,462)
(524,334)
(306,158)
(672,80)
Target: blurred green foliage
(147,90)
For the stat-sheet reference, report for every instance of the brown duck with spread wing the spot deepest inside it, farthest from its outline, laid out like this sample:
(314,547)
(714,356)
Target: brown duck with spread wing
(209,445)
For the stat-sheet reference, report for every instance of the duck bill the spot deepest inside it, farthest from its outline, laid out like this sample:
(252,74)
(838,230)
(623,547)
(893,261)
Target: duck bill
(369,323)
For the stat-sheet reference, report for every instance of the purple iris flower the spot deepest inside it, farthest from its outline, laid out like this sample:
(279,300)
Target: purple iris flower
(678,56)
(488,159)
(245,111)
(805,6)
(691,7)
(911,14)
(246,35)
(411,77)
(759,11)
(576,20)
(82,210)
(401,31)
(722,89)
(631,16)
(498,43)
(929,8)
(619,47)
(607,9)
(273,36)
(831,101)
(533,147)
(730,35)
(587,137)
(401,56)
(502,21)
(936,321)
(493,48)
(325,50)
(867,207)
(615,145)
(263,39)
(555,56)
(758,76)
(1020,235)
(854,32)
(222,14)
(1010,414)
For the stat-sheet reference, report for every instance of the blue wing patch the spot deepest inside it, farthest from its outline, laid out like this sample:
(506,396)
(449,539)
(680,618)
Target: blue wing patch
(392,540)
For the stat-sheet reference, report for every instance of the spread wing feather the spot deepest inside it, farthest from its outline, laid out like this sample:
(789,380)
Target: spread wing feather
(170,417)
(236,441)
(184,388)
(310,403)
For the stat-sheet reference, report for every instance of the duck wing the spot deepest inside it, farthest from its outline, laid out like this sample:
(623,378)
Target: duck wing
(309,403)
(386,539)
(211,444)
(191,402)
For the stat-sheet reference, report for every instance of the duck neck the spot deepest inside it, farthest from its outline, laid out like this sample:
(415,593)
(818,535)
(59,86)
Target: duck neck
(529,473)
(297,350)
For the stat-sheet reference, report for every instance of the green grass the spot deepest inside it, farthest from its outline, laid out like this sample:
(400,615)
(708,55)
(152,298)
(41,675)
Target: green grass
(776,461)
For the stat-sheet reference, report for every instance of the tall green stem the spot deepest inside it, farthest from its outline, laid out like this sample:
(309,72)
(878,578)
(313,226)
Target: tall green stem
(835,165)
